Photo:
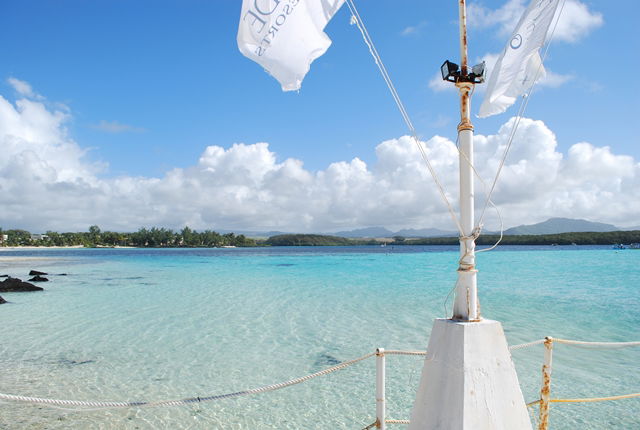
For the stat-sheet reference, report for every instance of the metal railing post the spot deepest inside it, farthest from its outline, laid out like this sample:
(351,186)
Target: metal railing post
(380,390)
(545,391)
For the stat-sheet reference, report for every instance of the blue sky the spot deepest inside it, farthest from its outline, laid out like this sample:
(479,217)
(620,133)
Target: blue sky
(146,87)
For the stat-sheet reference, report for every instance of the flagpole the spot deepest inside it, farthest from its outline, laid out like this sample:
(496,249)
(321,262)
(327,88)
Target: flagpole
(466,307)
(468,380)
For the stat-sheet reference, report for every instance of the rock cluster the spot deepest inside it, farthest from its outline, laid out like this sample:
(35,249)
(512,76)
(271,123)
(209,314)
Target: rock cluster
(12,285)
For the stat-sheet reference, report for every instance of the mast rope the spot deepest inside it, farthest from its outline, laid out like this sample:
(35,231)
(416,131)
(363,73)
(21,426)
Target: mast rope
(523,106)
(355,15)
(479,226)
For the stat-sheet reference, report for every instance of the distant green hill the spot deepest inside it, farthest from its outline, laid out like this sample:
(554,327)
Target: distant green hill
(560,225)
(366,232)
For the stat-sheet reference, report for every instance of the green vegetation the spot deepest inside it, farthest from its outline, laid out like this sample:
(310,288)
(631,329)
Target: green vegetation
(167,238)
(144,238)
(584,238)
(314,240)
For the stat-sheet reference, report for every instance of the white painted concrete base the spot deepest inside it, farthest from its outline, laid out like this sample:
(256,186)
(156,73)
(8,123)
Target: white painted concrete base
(469,381)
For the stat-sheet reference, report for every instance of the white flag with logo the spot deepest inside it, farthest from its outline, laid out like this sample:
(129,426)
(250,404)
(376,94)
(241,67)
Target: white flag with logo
(285,36)
(520,64)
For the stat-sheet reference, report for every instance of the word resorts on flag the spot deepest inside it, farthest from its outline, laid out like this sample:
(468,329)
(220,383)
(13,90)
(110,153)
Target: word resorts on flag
(519,64)
(285,36)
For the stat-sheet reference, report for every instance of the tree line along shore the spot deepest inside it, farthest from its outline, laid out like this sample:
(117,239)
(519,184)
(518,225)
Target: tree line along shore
(186,237)
(143,238)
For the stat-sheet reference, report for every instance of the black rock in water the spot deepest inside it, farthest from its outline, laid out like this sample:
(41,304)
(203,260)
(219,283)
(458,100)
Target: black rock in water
(2,300)
(11,285)
(38,278)
(35,272)
(4,276)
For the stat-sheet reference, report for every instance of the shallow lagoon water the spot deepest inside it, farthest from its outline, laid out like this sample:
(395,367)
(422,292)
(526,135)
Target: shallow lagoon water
(139,324)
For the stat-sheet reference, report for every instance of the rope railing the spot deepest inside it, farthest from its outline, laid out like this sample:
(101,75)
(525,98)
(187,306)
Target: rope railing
(187,401)
(544,400)
(603,345)
(380,354)
(587,399)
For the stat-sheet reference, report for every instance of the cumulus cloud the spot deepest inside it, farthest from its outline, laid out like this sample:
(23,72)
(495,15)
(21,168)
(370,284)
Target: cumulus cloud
(47,183)
(506,16)
(576,20)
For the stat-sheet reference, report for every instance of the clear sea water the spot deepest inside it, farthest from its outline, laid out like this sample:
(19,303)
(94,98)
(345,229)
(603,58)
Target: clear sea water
(136,324)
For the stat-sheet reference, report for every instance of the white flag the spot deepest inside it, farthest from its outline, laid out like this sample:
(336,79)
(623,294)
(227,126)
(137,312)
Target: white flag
(520,64)
(285,36)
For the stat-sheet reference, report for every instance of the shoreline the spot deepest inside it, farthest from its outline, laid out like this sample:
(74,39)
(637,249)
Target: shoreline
(14,248)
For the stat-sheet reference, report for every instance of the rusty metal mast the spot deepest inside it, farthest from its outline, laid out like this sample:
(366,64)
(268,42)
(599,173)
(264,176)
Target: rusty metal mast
(466,306)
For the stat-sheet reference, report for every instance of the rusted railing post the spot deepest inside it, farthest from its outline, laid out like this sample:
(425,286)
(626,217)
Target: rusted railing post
(380,390)
(545,391)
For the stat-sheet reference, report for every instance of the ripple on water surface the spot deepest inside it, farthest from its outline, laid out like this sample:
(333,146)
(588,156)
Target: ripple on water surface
(165,324)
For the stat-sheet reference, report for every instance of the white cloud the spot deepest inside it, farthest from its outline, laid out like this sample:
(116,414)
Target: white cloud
(116,127)
(506,16)
(414,30)
(22,87)
(554,80)
(576,20)
(46,183)
(437,84)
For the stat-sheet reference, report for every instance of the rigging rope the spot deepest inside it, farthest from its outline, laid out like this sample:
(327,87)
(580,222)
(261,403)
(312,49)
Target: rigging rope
(525,101)
(405,116)
(479,226)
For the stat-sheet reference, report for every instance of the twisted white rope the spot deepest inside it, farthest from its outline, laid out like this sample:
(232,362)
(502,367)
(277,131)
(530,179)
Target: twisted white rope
(397,421)
(603,345)
(273,387)
(398,352)
(526,345)
(110,405)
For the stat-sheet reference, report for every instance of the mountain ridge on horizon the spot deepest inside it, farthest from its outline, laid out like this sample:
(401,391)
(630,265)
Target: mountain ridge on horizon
(558,225)
(554,225)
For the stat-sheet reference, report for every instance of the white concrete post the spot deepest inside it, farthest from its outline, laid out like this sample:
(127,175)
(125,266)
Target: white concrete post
(468,381)
(380,390)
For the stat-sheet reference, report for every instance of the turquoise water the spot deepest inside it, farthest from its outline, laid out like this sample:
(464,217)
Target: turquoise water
(134,324)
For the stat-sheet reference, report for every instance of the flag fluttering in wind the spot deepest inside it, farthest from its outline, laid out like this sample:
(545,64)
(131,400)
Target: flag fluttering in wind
(285,36)
(520,64)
